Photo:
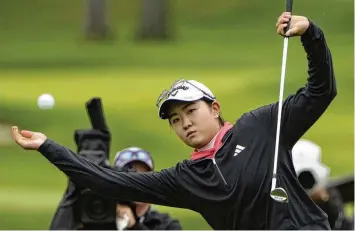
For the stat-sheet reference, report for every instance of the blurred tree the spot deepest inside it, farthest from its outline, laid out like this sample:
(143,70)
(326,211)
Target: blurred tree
(154,20)
(96,27)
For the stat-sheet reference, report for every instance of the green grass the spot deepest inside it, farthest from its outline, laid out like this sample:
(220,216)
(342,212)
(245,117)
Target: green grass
(133,121)
(229,45)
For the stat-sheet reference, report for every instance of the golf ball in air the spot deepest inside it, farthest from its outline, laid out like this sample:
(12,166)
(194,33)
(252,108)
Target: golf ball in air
(45,101)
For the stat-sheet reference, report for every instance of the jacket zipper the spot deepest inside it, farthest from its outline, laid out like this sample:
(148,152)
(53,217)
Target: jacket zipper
(219,171)
(215,163)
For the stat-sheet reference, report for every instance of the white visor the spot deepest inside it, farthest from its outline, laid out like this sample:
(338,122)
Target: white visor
(185,91)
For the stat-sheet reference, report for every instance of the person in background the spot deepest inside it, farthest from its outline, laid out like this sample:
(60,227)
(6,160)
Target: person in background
(144,217)
(313,175)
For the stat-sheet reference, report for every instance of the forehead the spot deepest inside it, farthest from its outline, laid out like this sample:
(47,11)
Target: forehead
(176,106)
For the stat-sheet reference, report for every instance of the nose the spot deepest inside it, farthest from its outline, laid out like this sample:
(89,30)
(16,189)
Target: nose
(186,122)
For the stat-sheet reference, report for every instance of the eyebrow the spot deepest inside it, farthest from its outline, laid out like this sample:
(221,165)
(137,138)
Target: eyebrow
(183,108)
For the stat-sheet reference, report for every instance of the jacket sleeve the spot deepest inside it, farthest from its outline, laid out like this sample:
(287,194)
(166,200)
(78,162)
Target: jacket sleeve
(301,110)
(159,188)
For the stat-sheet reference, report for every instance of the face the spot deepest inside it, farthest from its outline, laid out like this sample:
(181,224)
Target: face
(140,167)
(195,123)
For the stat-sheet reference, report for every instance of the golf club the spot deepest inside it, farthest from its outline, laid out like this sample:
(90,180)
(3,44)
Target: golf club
(279,194)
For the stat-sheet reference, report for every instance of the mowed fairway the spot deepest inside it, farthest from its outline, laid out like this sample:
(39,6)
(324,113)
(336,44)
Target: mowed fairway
(236,53)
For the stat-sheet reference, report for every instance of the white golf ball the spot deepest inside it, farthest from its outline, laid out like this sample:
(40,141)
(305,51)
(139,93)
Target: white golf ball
(45,101)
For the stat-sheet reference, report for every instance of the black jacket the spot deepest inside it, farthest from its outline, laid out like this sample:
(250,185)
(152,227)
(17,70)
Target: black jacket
(231,191)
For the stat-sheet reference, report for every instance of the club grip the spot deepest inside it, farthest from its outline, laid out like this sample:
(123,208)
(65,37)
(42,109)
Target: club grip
(289,4)
(96,114)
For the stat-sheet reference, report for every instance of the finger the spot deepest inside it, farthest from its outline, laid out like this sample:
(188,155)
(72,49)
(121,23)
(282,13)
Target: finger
(17,137)
(27,134)
(292,31)
(124,215)
(282,21)
(15,133)
(280,28)
(285,15)
(14,129)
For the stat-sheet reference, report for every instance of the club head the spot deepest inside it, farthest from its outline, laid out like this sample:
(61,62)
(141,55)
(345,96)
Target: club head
(279,195)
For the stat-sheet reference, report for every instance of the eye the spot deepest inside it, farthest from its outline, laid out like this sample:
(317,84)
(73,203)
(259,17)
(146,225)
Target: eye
(191,110)
(174,120)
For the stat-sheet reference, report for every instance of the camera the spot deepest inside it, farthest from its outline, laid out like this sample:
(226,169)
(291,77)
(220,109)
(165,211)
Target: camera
(96,209)
(307,180)
(92,209)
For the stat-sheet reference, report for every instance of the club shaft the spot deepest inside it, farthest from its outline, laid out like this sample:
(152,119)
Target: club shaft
(278,128)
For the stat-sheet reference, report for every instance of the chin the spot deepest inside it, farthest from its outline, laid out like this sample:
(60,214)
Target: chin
(197,143)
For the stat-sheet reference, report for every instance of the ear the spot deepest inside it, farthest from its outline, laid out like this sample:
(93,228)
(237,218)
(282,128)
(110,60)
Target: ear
(216,108)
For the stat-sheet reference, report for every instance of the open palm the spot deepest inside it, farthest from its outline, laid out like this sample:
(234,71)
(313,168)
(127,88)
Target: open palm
(27,139)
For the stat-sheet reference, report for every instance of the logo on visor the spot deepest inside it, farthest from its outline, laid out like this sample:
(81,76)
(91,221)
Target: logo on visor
(175,90)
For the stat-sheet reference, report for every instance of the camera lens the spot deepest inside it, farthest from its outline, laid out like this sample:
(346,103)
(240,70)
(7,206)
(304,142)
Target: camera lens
(96,208)
(307,180)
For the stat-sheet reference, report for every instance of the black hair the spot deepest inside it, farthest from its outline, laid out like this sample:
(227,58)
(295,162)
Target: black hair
(220,118)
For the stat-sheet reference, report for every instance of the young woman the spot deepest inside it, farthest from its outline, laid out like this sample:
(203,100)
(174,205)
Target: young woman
(228,178)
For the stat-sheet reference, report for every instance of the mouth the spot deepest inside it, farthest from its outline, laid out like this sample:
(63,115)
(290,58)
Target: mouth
(190,133)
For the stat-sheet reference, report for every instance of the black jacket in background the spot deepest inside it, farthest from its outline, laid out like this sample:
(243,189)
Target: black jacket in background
(334,208)
(153,220)
(231,190)
(65,217)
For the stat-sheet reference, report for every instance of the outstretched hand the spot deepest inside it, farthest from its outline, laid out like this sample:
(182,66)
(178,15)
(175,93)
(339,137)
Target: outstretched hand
(27,139)
(298,24)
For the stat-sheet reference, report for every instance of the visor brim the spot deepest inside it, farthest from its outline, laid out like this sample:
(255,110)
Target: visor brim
(164,107)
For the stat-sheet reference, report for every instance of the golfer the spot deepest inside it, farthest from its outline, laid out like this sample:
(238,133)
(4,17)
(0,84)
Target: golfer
(228,178)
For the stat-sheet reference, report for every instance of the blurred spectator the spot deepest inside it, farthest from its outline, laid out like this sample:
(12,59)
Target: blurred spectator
(144,217)
(313,176)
